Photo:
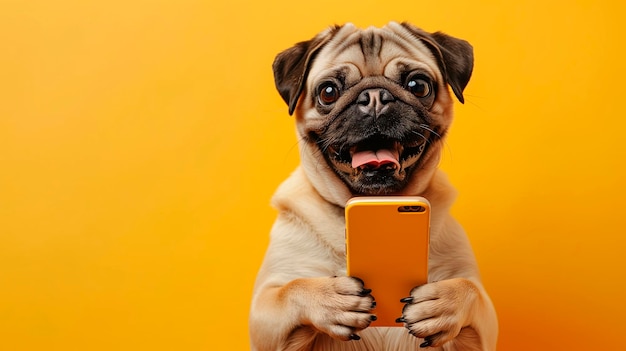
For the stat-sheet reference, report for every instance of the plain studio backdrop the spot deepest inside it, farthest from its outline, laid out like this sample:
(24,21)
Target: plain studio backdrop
(141,141)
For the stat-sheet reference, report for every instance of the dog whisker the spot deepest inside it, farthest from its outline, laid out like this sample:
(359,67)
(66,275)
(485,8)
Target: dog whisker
(446,146)
(421,135)
(426,127)
(316,151)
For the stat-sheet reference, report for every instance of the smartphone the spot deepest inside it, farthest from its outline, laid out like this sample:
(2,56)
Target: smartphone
(387,239)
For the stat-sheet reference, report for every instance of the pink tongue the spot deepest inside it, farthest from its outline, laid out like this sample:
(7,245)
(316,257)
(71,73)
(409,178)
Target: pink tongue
(375,158)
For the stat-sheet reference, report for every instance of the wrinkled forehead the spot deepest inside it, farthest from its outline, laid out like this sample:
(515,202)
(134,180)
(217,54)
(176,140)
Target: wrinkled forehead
(373,52)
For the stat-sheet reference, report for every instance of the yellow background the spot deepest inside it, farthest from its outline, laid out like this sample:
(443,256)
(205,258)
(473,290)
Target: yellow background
(140,142)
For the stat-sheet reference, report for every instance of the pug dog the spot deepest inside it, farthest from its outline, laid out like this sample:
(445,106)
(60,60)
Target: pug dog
(372,108)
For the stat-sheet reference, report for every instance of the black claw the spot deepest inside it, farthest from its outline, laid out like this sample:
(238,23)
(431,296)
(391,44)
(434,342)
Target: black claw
(365,292)
(373,317)
(429,340)
(373,304)
(400,320)
(407,300)
(354,337)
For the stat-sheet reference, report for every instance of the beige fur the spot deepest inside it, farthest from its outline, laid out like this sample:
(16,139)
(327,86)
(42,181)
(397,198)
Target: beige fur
(303,299)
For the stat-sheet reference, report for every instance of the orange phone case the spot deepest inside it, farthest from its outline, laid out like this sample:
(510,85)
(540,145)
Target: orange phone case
(387,241)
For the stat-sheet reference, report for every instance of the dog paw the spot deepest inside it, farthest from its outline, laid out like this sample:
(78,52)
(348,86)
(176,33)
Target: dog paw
(438,311)
(340,307)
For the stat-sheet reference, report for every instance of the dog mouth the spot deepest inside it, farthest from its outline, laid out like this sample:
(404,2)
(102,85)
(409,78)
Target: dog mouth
(378,160)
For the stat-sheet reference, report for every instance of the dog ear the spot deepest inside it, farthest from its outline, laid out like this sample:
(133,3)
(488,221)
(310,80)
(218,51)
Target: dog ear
(455,57)
(291,67)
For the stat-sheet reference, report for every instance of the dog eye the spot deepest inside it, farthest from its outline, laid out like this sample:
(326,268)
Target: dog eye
(328,94)
(419,87)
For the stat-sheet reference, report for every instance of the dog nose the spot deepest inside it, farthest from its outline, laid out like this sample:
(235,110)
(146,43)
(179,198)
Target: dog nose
(374,102)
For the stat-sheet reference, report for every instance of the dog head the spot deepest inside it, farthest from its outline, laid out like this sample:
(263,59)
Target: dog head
(372,106)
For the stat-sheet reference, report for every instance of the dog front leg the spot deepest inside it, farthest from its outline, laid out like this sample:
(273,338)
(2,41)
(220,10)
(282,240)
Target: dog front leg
(454,313)
(289,317)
